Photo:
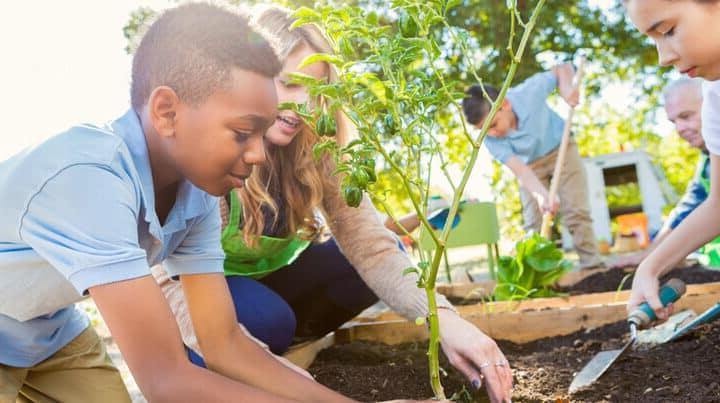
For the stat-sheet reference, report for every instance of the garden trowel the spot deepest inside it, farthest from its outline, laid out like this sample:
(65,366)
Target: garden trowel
(670,292)
(704,317)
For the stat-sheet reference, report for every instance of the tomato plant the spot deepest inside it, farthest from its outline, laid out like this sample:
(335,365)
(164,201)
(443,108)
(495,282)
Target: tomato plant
(393,88)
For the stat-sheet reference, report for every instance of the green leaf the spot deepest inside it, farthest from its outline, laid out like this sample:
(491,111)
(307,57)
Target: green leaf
(375,86)
(321,57)
(305,15)
(304,79)
(324,147)
(536,267)
(452,4)
(411,270)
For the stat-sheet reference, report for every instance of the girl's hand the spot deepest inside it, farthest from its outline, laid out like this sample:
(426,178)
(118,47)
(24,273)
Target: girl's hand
(645,288)
(475,355)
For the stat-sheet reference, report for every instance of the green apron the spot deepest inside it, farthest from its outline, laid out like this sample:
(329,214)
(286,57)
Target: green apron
(270,254)
(711,250)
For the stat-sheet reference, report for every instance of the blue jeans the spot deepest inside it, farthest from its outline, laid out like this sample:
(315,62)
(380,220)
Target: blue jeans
(309,298)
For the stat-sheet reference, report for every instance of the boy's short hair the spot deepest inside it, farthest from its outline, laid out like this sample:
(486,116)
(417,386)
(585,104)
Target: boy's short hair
(475,105)
(193,49)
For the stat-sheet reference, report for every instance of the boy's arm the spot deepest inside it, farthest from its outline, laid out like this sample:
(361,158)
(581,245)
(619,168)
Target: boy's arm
(532,184)
(228,351)
(143,327)
(565,74)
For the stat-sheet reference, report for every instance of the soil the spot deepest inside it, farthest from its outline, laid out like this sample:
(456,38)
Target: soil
(610,280)
(682,371)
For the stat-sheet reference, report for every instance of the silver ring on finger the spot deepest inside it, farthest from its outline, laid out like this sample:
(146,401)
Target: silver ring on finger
(501,363)
(484,364)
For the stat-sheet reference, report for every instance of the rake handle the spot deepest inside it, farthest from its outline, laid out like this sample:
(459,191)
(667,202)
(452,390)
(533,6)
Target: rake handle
(560,161)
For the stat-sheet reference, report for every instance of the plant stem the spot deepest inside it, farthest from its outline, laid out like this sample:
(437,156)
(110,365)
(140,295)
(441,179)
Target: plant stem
(440,243)
(434,324)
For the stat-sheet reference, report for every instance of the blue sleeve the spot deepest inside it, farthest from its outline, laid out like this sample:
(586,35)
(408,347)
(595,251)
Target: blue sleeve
(83,221)
(500,149)
(201,250)
(538,87)
(694,195)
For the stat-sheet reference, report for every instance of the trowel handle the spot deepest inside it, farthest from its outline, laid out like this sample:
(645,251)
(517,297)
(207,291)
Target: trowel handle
(670,292)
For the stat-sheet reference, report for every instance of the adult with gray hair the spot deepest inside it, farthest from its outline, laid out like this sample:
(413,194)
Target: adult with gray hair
(683,101)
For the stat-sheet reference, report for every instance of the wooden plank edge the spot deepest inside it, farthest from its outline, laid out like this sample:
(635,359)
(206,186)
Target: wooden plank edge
(304,354)
(602,298)
(484,288)
(516,326)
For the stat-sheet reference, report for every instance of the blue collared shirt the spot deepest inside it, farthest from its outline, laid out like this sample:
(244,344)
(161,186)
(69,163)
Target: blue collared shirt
(539,128)
(79,211)
(694,195)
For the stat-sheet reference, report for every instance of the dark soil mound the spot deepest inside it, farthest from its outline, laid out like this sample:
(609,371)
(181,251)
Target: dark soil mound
(687,370)
(611,279)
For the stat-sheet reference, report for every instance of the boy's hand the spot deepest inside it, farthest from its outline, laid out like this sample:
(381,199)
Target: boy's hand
(546,205)
(569,90)
(570,95)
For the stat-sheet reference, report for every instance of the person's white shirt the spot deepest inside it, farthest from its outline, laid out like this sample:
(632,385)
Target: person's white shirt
(711,116)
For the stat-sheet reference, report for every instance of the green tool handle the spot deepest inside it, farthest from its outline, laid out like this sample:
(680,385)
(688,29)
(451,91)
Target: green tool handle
(670,292)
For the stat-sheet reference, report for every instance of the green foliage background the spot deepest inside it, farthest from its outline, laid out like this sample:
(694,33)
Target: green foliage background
(616,52)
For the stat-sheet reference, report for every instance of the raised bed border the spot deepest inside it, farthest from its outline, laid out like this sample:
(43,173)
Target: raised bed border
(519,322)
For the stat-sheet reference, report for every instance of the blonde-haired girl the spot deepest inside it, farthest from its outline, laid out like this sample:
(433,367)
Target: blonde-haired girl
(287,285)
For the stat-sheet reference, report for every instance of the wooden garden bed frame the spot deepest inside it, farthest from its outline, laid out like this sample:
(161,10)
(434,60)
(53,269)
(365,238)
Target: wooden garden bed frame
(516,321)
(485,288)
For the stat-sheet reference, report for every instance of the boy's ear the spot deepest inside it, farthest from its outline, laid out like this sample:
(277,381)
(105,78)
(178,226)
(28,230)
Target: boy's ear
(162,107)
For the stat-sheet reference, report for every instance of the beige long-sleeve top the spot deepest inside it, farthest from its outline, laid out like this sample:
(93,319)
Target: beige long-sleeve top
(370,247)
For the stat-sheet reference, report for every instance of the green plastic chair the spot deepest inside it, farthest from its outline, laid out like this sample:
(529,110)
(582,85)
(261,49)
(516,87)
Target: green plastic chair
(478,225)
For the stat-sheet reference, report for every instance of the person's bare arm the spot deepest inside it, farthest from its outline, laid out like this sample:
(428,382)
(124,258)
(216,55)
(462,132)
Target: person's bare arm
(700,227)
(565,74)
(141,323)
(229,351)
(410,222)
(531,183)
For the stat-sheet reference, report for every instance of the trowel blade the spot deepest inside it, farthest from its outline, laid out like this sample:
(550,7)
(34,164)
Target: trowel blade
(595,368)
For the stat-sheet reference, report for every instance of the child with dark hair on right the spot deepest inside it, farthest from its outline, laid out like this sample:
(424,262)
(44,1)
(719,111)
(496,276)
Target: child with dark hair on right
(525,135)
(687,36)
(88,212)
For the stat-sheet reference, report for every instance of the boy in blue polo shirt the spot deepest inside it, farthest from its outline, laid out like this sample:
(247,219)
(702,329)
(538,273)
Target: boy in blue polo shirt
(525,135)
(90,210)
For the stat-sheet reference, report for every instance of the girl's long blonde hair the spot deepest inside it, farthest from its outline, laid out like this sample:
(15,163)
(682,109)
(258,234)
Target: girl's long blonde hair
(291,173)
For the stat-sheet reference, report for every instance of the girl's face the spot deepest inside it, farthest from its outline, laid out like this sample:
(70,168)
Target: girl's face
(289,124)
(686,33)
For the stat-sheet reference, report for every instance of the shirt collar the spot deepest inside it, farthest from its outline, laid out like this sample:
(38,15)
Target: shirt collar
(191,201)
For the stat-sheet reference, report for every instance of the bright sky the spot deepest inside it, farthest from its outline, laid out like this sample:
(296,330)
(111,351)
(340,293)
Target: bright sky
(63,63)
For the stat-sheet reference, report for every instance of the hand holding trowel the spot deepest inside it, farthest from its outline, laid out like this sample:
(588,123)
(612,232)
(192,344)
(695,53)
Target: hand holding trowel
(643,315)
(555,181)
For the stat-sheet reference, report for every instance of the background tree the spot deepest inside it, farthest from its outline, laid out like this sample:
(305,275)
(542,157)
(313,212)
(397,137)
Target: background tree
(617,56)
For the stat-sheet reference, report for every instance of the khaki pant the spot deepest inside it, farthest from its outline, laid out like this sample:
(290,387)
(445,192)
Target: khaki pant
(574,206)
(80,372)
